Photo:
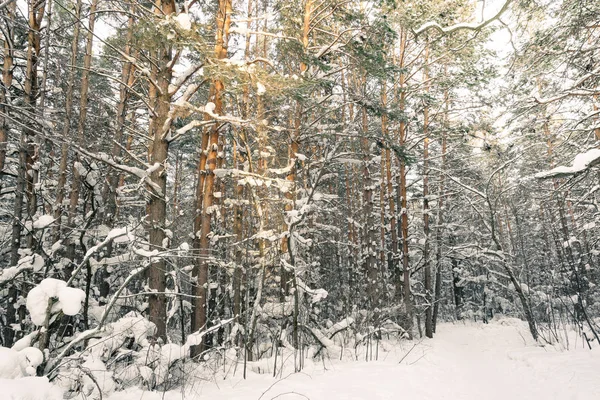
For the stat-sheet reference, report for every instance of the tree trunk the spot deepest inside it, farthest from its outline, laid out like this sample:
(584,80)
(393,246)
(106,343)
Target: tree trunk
(403,200)
(238,209)
(513,279)
(8,332)
(369,237)
(294,144)
(206,180)
(26,178)
(7,79)
(162,74)
(83,105)
(127,81)
(36,15)
(440,216)
(66,137)
(426,261)
(383,189)
(26,175)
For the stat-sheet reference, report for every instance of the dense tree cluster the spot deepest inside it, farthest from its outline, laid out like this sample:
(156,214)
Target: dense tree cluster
(266,175)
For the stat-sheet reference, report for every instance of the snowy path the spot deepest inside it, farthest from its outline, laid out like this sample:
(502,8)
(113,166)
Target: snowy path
(472,362)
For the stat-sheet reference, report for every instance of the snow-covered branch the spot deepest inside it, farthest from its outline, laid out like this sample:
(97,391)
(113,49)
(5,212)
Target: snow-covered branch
(461,26)
(112,235)
(143,175)
(581,163)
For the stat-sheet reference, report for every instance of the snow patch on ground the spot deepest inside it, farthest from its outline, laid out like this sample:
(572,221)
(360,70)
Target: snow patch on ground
(29,388)
(19,363)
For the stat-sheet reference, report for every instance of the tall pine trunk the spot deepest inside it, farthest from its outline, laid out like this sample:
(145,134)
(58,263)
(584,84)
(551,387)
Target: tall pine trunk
(7,79)
(440,214)
(25,190)
(127,81)
(83,106)
(426,261)
(66,136)
(403,286)
(160,127)
(206,180)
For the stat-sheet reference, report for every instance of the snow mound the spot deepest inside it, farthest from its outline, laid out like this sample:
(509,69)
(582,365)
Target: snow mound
(29,388)
(18,364)
(69,299)
(130,326)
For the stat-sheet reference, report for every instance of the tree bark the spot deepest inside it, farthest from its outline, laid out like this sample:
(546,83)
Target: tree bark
(66,136)
(440,216)
(25,190)
(128,80)
(7,79)
(36,15)
(206,180)
(162,74)
(426,261)
(369,237)
(294,144)
(404,287)
(8,333)
(83,105)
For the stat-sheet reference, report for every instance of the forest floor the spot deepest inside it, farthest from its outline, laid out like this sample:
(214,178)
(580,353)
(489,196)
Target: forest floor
(468,361)
(464,361)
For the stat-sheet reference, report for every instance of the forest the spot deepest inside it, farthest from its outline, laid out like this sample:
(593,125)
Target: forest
(199,185)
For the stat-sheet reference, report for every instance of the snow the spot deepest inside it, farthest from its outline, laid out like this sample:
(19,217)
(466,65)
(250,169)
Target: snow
(10,363)
(69,299)
(260,89)
(318,295)
(183,21)
(582,162)
(29,388)
(239,29)
(210,107)
(589,225)
(116,233)
(19,363)
(463,362)
(300,156)
(33,262)
(43,222)
(277,309)
(119,235)
(146,253)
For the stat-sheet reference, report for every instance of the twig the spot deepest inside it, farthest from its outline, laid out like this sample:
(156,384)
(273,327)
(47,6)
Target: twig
(282,379)
(296,393)
(411,349)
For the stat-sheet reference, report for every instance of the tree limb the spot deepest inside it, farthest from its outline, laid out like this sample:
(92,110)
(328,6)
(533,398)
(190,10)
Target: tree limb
(463,25)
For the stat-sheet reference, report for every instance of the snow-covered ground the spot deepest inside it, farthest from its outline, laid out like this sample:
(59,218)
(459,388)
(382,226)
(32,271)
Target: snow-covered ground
(463,362)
